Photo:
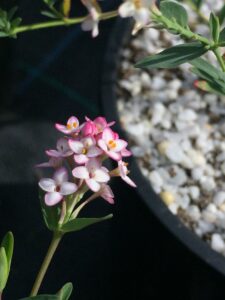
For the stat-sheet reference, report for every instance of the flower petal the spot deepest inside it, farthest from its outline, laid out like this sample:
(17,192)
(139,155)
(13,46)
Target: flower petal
(62,128)
(102,145)
(61,175)
(93,164)
(101,176)
(53,153)
(120,145)
(114,155)
(127,9)
(81,172)
(47,184)
(107,135)
(129,181)
(142,16)
(94,151)
(68,188)
(93,185)
(107,193)
(53,198)
(80,159)
(76,146)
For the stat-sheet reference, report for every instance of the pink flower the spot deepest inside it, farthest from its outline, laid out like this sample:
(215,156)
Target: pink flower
(111,144)
(95,127)
(107,193)
(89,128)
(122,171)
(101,123)
(71,127)
(63,149)
(54,162)
(58,187)
(84,149)
(93,173)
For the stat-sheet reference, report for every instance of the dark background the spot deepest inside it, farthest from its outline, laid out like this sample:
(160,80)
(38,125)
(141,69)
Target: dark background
(47,76)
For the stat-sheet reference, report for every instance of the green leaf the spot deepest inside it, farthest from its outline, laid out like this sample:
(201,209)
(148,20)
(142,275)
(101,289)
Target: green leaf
(3,34)
(197,3)
(48,14)
(4,269)
(8,245)
(42,297)
(214,25)
(66,291)
(208,87)
(222,36)
(16,22)
(222,14)
(174,56)
(174,11)
(80,223)
(208,69)
(51,214)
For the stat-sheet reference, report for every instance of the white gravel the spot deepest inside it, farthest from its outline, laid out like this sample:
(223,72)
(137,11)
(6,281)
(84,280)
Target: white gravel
(177,134)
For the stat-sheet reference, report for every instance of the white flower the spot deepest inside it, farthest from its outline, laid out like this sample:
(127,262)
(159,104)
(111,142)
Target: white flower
(139,10)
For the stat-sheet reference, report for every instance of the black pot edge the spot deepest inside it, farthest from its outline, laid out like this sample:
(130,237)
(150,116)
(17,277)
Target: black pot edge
(119,37)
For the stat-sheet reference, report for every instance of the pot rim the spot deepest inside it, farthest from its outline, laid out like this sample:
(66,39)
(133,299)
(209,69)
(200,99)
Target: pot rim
(119,36)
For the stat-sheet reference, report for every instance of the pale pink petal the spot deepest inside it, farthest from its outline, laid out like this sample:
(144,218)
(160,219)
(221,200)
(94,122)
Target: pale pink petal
(120,145)
(72,121)
(107,135)
(80,159)
(114,155)
(53,153)
(47,184)
(94,151)
(76,146)
(107,193)
(43,165)
(95,30)
(125,152)
(61,175)
(68,188)
(129,181)
(62,128)
(88,141)
(102,145)
(53,198)
(101,176)
(122,168)
(93,164)
(93,185)
(81,172)
(62,146)
(127,9)
(88,24)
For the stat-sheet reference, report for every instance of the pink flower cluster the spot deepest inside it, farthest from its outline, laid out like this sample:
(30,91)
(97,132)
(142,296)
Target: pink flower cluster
(84,148)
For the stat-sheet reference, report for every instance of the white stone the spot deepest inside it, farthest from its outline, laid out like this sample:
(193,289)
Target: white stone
(179,178)
(173,208)
(174,153)
(194,212)
(219,198)
(223,168)
(158,112)
(183,201)
(158,83)
(194,192)
(207,183)
(205,226)
(156,179)
(217,243)
(196,156)
(187,115)
(197,173)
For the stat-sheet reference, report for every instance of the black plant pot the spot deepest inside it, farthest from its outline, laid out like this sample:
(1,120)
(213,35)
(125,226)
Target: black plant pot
(119,38)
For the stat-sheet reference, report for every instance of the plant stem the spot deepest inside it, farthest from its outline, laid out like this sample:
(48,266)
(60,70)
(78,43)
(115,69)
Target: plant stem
(219,59)
(57,236)
(62,22)
(0,296)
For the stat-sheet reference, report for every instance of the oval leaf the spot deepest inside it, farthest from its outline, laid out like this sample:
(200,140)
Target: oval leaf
(3,269)
(174,11)
(66,291)
(214,25)
(80,223)
(174,56)
(8,245)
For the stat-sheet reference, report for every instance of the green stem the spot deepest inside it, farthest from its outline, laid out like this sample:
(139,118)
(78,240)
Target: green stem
(219,59)
(57,236)
(185,32)
(62,22)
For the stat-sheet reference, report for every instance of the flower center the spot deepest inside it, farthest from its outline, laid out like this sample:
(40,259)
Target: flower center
(84,151)
(57,188)
(112,144)
(71,125)
(137,4)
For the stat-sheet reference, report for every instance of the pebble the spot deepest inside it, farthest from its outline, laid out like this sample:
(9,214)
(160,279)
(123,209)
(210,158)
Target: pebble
(217,243)
(176,138)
